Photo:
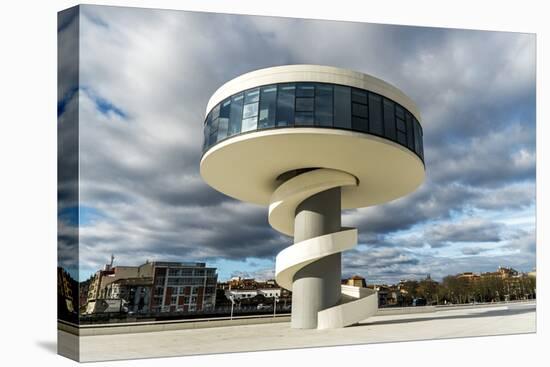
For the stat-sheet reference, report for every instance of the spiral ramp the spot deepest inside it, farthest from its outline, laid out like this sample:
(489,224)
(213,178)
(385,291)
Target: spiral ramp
(355,303)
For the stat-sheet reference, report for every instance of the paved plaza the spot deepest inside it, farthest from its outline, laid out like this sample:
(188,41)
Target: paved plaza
(448,323)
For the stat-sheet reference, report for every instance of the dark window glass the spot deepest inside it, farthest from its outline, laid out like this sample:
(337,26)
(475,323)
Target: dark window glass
(401,138)
(206,133)
(360,124)
(213,132)
(408,124)
(399,112)
(216,112)
(223,121)
(410,134)
(304,104)
(304,118)
(421,141)
(400,124)
(389,119)
(305,90)
(342,107)
(285,105)
(417,138)
(268,100)
(236,115)
(251,96)
(214,126)
(225,108)
(375,114)
(323,105)
(359,110)
(222,129)
(358,96)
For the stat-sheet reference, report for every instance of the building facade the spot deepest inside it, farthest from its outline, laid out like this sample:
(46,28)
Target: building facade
(154,287)
(239,294)
(135,293)
(183,287)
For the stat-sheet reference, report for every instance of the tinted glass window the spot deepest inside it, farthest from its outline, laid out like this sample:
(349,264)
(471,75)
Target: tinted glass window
(408,125)
(304,104)
(249,124)
(399,112)
(375,114)
(252,95)
(213,132)
(304,118)
(268,99)
(410,134)
(359,96)
(285,105)
(421,141)
(250,110)
(360,124)
(417,138)
(223,121)
(312,104)
(305,90)
(401,138)
(206,133)
(323,105)
(214,126)
(389,119)
(222,129)
(216,112)
(236,114)
(342,107)
(359,110)
(225,109)
(400,124)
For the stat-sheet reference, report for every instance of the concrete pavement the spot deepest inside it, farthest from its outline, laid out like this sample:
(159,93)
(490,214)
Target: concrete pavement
(448,323)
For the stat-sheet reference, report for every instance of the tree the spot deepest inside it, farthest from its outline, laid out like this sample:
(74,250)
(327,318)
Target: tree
(428,289)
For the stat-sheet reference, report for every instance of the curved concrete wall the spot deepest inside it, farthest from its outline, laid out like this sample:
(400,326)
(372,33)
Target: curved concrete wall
(317,253)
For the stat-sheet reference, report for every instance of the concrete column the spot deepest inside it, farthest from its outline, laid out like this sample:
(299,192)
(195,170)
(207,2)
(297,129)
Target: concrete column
(317,285)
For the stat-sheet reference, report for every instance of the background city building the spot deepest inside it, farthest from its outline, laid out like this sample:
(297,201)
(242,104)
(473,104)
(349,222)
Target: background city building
(181,287)
(153,287)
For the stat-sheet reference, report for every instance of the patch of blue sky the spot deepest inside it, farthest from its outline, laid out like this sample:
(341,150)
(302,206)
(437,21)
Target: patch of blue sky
(524,218)
(89,215)
(102,104)
(227,268)
(74,272)
(80,215)
(85,273)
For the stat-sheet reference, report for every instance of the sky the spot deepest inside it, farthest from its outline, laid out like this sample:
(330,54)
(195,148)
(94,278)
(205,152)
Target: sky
(145,77)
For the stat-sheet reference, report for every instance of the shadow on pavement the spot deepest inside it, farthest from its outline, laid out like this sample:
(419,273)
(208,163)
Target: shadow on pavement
(512,311)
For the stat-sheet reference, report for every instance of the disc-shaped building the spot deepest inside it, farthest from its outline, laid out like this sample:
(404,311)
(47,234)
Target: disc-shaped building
(309,141)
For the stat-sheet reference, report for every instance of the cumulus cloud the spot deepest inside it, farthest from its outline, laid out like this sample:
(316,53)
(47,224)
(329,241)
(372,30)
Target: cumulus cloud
(146,76)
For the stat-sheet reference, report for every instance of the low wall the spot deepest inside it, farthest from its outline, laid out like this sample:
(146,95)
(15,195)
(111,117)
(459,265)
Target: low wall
(151,326)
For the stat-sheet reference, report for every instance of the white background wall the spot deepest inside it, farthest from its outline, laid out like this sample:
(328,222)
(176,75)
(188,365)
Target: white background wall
(28,185)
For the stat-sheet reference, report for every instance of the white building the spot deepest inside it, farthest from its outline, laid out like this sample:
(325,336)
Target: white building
(239,294)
